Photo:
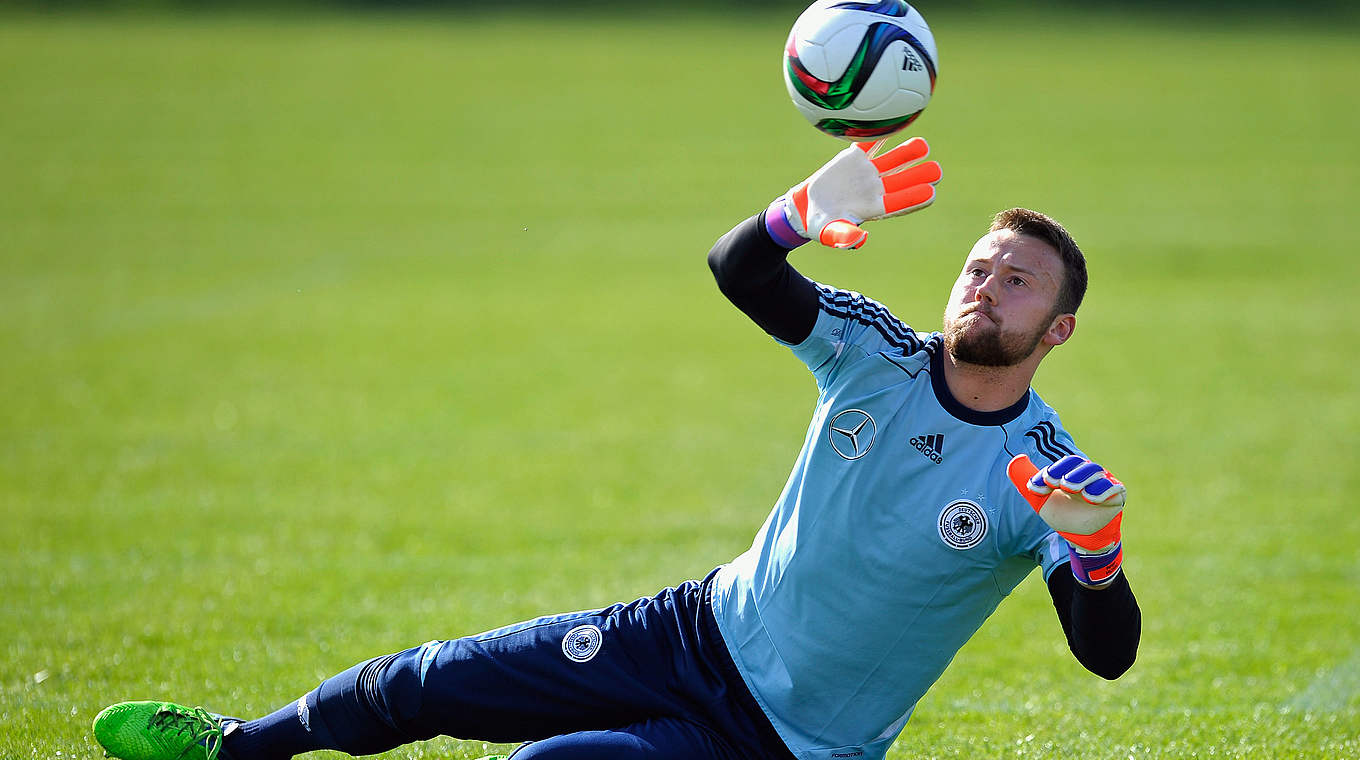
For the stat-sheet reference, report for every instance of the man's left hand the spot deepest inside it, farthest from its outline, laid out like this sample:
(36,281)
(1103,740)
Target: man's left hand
(1084,504)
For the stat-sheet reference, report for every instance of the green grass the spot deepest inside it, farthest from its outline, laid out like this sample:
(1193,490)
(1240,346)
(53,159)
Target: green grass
(326,336)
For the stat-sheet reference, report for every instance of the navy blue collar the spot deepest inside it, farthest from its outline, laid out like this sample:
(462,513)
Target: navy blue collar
(956,408)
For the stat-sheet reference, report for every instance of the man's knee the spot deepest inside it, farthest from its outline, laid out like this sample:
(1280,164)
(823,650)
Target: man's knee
(393,686)
(374,705)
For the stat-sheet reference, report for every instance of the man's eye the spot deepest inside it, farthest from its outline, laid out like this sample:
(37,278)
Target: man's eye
(1017,281)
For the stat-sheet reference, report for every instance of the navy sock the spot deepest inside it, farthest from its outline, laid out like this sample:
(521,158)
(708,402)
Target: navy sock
(290,730)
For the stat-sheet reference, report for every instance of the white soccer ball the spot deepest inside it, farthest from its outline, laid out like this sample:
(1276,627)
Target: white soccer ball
(860,71)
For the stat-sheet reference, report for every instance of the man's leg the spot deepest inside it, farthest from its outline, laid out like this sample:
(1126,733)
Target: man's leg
(581,672)
(532,681)
(535,680)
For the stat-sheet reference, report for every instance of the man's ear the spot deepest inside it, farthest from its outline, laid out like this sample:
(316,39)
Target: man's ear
(1061,329)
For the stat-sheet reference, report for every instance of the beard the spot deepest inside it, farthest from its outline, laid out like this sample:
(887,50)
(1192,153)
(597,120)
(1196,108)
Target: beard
(986,344)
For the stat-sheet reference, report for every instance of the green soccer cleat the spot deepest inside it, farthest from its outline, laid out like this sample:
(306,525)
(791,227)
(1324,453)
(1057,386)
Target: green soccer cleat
(160,731)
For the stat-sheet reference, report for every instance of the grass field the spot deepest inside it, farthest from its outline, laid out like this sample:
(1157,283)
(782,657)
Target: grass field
(325,336)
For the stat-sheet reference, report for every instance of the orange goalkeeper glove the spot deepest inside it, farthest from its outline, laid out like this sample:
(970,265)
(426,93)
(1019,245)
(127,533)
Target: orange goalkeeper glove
(855,187)
(1084,504)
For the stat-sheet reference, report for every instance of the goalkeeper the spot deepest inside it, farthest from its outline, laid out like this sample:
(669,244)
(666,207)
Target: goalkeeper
(932,480)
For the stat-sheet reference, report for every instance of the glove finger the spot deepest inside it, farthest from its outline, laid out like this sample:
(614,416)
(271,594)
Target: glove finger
(842,234)
(1021,472)
(1105,492)
(914,149)
(870,148)
(911,199)
(1079,477)
(1097,489)
(1055,472)
(1037,485)
(921,174)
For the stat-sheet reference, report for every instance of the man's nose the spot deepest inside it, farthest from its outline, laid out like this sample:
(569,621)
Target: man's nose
(986,291)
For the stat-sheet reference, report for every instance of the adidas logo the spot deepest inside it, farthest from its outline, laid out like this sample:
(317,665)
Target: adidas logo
(931,446)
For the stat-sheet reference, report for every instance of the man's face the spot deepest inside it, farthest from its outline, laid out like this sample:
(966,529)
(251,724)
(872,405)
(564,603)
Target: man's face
(1001,307)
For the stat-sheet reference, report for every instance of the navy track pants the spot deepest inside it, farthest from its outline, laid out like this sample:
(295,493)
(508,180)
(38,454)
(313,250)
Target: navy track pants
(648,679)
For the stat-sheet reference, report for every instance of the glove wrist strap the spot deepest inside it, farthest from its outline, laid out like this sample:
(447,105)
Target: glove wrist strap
(1096,570)
(777,224)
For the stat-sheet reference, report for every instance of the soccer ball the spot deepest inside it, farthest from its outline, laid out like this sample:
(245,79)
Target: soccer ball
(860,71)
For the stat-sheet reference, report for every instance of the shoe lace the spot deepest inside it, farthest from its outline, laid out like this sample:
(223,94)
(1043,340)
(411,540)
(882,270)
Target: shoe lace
(197,724)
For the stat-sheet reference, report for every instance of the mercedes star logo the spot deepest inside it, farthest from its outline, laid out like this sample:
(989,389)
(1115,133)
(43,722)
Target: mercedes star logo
(852,433)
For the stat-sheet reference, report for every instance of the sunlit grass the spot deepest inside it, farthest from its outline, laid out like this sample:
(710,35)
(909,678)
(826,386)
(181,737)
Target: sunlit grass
(328,336)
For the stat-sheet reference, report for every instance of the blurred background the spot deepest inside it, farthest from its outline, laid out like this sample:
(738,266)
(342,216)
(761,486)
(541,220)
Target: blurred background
(328,329)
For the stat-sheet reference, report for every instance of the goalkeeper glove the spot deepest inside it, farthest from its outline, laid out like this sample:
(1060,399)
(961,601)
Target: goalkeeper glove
(1084,504)
(855,187)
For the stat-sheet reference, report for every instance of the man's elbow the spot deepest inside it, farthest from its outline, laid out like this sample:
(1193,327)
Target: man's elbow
(1114,654)
(1112,667)
(715,262)
(720,263)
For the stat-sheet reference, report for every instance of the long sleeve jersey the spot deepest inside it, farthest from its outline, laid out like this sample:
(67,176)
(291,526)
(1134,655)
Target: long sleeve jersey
(897,533)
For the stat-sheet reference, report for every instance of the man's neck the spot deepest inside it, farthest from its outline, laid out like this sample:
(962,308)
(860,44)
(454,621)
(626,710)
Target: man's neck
(988,389)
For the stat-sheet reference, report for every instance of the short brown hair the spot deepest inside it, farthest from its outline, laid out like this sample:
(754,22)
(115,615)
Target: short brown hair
(1042,227)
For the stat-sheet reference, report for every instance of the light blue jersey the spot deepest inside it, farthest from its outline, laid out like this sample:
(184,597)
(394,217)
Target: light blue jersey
(895,537)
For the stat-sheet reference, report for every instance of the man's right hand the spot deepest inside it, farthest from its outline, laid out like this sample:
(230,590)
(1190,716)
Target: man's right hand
(856,187)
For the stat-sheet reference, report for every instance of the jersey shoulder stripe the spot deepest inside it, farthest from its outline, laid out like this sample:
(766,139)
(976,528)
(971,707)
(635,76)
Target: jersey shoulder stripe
(846,304)
(1045,437)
